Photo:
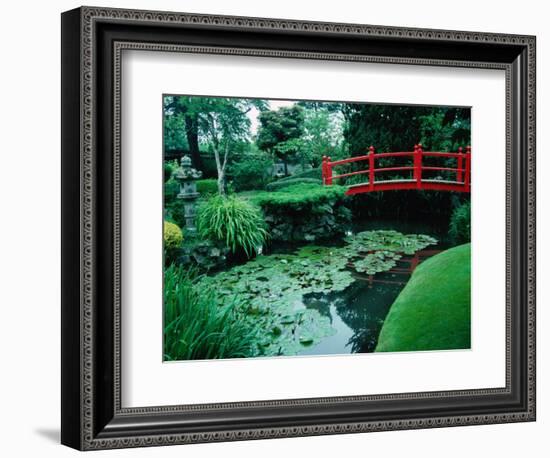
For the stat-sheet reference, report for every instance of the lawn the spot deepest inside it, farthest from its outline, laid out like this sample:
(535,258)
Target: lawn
(433,310)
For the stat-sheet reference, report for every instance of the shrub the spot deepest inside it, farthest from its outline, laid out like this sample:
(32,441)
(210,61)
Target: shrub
(169,167)
(250,172)
(172,235)
(196,327)
(280,184)
(174,212)
(171,190)
(311,173)
(234,221)
(459,226)
(299,196)
(207,186)
(304,212)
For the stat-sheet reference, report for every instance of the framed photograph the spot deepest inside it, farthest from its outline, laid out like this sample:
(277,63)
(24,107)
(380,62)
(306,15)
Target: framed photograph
(276,228)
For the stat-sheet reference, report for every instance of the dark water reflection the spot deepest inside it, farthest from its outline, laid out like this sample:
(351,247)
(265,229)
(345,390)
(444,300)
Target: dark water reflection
(358,313)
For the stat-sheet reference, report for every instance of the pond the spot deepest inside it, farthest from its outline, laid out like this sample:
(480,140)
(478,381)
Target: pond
(358,313)
(327,299)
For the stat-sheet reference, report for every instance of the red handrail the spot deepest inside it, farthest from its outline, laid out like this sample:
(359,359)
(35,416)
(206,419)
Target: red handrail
(462,170)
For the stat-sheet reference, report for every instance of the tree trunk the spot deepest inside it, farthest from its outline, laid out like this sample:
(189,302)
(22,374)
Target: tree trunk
(192,134)
(221,182)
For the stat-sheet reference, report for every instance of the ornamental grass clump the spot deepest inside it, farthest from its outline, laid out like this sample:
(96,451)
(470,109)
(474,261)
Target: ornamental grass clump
(236,222)
(197,327)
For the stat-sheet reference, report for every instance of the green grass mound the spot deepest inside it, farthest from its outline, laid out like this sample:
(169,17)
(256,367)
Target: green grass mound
(433,310)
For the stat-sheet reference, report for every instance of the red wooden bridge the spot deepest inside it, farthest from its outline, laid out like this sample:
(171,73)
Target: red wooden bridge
(459,182)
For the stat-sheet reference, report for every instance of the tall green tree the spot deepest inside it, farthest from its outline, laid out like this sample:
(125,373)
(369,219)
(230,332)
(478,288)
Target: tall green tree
(223,123)
(181,129)
(323,133)
(279,131)
(399,128)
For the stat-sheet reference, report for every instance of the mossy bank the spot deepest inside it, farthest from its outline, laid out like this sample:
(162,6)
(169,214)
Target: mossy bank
(433,310)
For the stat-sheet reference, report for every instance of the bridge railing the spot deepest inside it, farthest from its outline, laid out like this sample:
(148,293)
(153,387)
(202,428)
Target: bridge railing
(462,169)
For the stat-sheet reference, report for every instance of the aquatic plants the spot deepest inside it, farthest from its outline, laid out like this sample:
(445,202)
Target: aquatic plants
(271,288)
(367,241)
(234,221)
(196,327)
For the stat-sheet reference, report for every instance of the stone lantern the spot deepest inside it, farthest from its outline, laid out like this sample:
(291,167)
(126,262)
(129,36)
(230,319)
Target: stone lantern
(187,176)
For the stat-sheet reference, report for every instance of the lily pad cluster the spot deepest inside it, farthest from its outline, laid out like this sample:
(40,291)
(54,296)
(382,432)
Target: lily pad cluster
(372,252)
(272,287)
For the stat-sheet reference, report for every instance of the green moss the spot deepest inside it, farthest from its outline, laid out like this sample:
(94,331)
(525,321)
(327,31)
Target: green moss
(433,310)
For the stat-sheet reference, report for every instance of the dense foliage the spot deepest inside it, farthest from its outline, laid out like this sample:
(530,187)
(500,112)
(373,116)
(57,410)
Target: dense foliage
(304,212)
(300,196)
(280,184)
(196,327)
(173,238)
(399,128)
(280,130)
(207,186)
(251,171)
(459,226)
(234,221)
(171,190)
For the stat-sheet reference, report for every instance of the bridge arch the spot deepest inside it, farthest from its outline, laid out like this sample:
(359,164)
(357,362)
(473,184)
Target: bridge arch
(461,172)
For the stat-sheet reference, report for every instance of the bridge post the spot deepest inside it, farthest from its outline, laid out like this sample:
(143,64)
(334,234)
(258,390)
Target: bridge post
(459,165)
(418,165)
(467,177)
(371,168)
(329,171)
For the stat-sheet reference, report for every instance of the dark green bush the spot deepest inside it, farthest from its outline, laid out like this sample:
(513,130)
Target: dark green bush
(304,212)
(250,172)
(311,173)
(280,184)
(459,226)
(169,167)
(171,190)
(174,211)
(197,326)
(236,222)
(207,186)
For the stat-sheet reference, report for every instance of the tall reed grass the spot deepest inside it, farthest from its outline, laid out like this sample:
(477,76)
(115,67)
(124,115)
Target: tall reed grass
(197,327)
(236,222)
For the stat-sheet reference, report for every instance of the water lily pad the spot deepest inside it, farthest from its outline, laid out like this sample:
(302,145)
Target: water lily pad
(271,288)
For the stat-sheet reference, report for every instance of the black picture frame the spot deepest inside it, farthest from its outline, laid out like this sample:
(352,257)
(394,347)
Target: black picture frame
(92,416)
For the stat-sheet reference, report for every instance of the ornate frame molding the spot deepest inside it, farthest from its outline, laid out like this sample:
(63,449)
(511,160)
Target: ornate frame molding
(89,434)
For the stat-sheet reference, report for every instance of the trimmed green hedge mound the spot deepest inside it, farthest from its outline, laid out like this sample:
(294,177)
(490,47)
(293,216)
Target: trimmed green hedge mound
(278,185)
(433,310)
(299,196)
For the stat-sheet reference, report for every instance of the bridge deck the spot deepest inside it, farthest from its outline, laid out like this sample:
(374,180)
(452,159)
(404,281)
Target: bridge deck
(426,184)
